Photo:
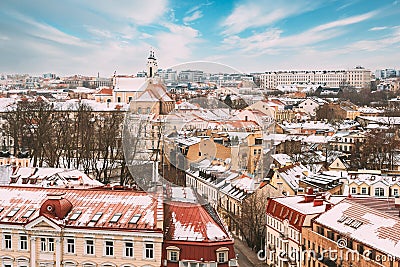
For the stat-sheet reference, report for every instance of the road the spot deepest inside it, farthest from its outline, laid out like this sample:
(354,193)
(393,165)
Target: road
(246,257)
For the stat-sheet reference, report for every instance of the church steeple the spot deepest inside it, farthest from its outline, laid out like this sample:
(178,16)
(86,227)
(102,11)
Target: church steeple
(152,66)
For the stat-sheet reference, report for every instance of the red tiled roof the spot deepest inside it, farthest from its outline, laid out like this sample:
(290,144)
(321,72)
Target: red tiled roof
(88,202)
(105,91)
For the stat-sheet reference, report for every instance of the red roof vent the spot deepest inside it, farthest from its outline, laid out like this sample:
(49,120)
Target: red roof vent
(56,206)
(318,202)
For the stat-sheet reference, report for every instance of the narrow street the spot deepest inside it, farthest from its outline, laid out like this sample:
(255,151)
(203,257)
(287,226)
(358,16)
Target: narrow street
(247,257)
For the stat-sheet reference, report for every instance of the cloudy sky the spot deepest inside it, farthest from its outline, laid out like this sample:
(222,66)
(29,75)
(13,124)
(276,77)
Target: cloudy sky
(87,37)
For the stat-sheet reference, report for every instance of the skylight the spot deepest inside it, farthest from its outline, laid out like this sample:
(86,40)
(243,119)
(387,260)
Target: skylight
(75,215)
(13,212)
(356,224)
(135,218)
(28,213)
(116,217)
(342,219)
(96,217)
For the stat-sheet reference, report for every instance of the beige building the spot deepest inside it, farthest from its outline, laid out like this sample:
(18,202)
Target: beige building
(69,227)
(357,77)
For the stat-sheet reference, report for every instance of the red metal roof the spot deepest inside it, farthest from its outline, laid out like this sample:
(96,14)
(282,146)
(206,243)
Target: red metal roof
(88,202)
(193,222)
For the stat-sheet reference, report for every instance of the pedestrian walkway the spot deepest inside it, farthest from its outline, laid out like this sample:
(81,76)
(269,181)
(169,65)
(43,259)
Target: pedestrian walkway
(244,251)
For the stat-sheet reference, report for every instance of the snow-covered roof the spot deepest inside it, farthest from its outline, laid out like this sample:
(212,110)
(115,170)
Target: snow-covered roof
(51,177)
(86,204)
(292,174)
(378,230)
(193,222)
(297,203)
(282,159)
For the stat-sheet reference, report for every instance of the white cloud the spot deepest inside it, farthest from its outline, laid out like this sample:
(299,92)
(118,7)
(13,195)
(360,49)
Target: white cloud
(176,44)
(47,32)
(376,45)
(378,28)
(139,11)
(251,14)
(194,16)
(271,41)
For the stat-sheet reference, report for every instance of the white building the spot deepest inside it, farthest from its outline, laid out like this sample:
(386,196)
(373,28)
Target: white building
(357,77)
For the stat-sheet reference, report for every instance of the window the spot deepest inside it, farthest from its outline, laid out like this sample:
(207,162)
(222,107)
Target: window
(51,244)
(89,247)
(354,190)
(109,248)
(173,253)
(363,190)
(12,212)
(139,110)
(71,245)
(116,217)
(28,213)
(379,192)
(43,244)
(148,110)
(149,251)
(7,241)
(96,217)
(75,215)
(395,192)
(23,242)
(47,244)
(221,257)
(173,256)
(135,218)
(128,249)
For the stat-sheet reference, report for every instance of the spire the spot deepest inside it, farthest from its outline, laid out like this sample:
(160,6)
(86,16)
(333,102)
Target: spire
(151,65)
(151,56)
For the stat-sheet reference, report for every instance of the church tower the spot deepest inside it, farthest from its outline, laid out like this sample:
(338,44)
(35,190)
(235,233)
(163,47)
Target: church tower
(151,65)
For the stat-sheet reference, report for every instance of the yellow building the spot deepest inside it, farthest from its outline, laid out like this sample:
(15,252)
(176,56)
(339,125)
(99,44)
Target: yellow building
(69,227)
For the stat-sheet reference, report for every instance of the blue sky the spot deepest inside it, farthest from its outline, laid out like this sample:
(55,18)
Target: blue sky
(86,37)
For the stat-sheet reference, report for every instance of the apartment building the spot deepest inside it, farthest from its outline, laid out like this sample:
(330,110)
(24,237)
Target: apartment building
(286,219)
(355,232)
(373,183)
(72,227)
(357,77)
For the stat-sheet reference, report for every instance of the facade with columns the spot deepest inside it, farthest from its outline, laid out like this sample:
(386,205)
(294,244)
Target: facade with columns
(69,227)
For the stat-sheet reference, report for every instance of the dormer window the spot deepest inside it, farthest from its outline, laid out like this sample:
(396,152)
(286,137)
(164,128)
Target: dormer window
(173,253)
(222,254)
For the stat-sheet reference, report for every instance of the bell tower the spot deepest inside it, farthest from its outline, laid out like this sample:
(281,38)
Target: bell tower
(151,65)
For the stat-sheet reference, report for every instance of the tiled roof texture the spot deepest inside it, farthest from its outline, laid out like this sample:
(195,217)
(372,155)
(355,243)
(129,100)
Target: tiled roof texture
(88,202)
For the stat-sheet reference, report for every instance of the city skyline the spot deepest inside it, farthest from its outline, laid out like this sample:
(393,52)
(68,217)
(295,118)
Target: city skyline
(252,36)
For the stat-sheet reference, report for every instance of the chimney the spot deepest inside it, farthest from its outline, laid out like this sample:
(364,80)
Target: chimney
(328,206)
(318,202)
(309,196)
